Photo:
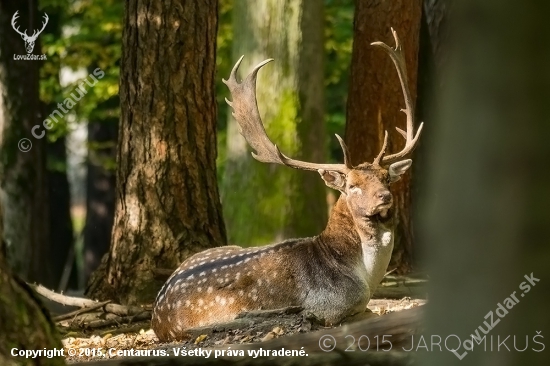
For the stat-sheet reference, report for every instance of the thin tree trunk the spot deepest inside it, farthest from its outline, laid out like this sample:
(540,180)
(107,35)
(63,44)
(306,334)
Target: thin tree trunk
(167,203)
(266,203)
(486,219)
(24,176)
(436,13)
(61,225)
(59,205)
(100,191)
(375,98)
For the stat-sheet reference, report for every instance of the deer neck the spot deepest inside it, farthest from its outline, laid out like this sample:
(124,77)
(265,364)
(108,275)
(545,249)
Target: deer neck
(365,243)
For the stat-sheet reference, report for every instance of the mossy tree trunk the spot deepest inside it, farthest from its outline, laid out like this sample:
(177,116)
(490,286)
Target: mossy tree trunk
(23,174)
(375,98)
(167,203)
(486,219)
(266,203)
(25,324)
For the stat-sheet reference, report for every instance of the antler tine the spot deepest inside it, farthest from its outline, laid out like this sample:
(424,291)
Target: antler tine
(44,23)
(13,25)
(383,151)
(347,159)
(411,138)
(245,111)
(46,18)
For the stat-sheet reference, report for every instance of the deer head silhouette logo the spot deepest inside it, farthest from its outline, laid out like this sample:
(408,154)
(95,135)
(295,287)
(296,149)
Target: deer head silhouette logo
(29,40)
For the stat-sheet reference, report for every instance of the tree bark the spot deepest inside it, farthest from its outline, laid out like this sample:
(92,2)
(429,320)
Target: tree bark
(167,203)
(486,218)
(24,176)
(375,99)
(266,203)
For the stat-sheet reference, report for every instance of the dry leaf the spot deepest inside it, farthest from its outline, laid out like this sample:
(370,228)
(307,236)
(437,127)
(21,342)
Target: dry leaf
(200,338)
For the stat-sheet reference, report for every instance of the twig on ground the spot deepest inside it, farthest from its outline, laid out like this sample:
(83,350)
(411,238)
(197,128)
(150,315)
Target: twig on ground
(63,299)
(123,310)
(102,323)
(83,310)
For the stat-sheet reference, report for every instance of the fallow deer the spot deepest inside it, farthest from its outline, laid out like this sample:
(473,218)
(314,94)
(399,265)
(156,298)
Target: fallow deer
(333,275)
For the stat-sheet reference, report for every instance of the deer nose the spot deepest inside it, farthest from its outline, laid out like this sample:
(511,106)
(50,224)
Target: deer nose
(384,196)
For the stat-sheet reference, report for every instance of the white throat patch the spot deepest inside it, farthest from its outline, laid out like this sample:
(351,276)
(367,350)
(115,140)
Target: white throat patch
(376,257)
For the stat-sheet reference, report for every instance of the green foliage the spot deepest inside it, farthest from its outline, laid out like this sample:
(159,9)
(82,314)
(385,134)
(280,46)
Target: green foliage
(338,47)
(96,43)
(91,38)
(224,63)
(50,88)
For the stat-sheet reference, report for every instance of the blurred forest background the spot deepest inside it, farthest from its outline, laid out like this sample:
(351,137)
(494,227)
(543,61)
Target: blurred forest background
(59,198)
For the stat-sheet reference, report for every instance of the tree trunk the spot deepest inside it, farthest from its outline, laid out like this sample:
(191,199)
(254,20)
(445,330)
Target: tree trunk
(25,324)
(486,220)
(61,224)
(375,99)
(266,203)
(59,205)
(100,190)
(24,176)
(436,12)
(167,203)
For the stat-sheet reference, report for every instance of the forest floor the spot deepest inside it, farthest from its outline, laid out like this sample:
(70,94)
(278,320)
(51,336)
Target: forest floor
(401,293)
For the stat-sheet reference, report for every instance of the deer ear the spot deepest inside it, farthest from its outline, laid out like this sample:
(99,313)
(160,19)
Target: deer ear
(333,179)
(398,169)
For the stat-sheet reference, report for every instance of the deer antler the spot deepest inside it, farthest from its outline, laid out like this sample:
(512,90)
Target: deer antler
(245,111)
(24,34)
(13,19)
(411,138)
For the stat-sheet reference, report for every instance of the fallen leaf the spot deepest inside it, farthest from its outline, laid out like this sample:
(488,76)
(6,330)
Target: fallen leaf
(200,338)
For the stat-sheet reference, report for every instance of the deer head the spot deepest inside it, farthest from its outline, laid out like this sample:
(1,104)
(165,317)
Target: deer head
(365,186)
(29,40)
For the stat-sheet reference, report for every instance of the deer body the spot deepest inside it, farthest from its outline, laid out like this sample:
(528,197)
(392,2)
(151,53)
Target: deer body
(328,275)
(332,275)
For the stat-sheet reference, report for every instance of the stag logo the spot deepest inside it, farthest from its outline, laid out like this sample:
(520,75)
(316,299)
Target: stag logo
(29,40)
